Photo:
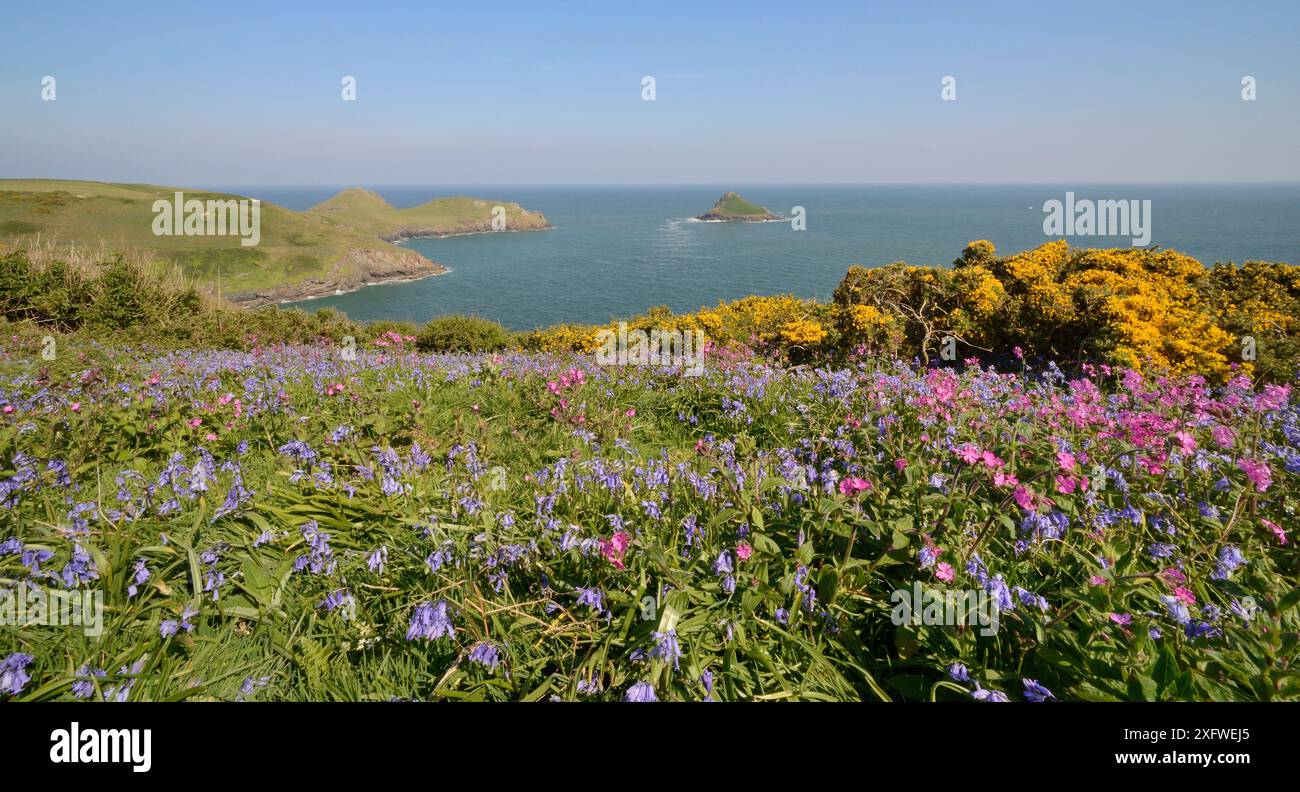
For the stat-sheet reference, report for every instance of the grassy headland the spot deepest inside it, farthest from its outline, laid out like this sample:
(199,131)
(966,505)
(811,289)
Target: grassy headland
(340,245)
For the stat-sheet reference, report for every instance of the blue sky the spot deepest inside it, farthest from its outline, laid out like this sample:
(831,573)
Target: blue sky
(500,92)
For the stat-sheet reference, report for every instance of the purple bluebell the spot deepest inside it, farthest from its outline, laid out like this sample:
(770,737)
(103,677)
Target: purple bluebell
(339,598)
(80,568)
(1036,692)
(13,673)
(430,620)
(1229,559)
(485,653)
(138,578)
(84,686)
(593,598)
(667,649)
(641,691)
(981,694)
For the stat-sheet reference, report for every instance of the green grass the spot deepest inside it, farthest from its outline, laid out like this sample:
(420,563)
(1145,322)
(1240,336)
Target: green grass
(326,243)
(366,211)
(732,205)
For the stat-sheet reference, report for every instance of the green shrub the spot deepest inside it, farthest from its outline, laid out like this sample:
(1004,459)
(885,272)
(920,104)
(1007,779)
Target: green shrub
(462,334)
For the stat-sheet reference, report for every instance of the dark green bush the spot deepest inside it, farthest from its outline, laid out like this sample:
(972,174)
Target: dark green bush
(462,334)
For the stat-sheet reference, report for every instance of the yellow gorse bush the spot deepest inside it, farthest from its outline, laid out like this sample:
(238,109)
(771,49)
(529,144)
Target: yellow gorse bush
(1157,311)
(802,333)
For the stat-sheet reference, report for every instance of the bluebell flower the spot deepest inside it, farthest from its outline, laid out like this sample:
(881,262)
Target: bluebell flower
(1001,594)
(437,558)
(980,694)
(485,654)
(80,568)
(1031,599)
(377,559)
(336,599)
(1177,609)
(250,686)
(32,559)
(958,673)
(84,687)
(1229,559)
(593,598)
(1036,692)
(1162,550)
(13,673)
(1245,612)
(140,576)
(667,648)
(430,621)
(641,691)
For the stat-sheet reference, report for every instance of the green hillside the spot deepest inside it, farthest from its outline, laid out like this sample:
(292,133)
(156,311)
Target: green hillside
(366,211)
(337,246)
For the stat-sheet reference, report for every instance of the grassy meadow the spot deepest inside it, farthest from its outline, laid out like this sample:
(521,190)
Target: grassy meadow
(277,505)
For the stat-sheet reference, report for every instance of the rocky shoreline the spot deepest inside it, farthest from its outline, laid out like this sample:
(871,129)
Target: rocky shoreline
(368,267)
(356,270)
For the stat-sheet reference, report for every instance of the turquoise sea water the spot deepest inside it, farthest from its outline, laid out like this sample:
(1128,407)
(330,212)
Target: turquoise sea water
(616,251)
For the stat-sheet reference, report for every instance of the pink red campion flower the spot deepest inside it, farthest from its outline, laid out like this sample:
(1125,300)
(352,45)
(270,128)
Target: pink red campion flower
(614,547)
(744,551)
(853,486)
(944,572)
(1276,529)
(1173,576)
(1274,397)
(1257,472)
(1024,497)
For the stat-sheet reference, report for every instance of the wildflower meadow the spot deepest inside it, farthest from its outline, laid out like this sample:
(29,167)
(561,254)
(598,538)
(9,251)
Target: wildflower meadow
(306,522)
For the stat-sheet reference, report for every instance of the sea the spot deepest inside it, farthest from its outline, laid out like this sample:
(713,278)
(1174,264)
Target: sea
(616,251)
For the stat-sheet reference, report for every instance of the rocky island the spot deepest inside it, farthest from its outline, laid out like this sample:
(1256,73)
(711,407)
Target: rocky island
(731,208)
